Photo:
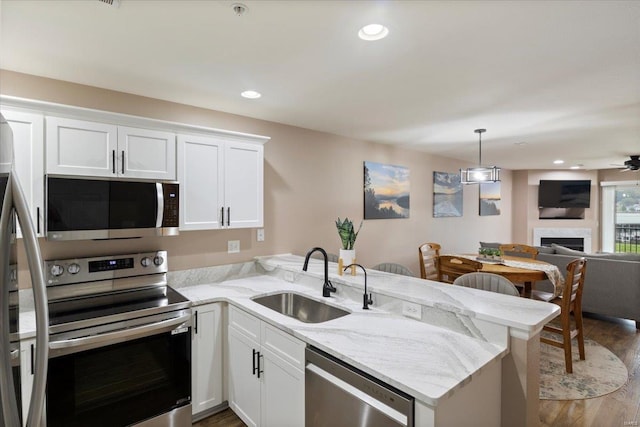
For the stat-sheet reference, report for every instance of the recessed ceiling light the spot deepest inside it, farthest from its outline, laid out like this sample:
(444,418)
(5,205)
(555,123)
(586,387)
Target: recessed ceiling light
(575,167)
(251,94)
(373,32)
(558,162)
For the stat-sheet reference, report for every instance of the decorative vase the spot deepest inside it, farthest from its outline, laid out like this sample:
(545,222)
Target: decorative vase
(347,256)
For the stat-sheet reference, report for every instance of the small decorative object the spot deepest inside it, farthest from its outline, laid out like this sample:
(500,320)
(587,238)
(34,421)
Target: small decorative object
(348,237)
(447,195)
(386,191)
(489,254)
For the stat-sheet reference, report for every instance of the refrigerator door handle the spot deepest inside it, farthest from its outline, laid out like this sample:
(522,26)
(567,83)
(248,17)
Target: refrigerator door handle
(9,414)
(34,259)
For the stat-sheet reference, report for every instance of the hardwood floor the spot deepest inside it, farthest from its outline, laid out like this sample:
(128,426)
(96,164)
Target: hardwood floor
(620,408)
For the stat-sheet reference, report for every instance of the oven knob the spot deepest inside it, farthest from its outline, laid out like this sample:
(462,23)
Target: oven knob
(158,260)
(146,261)
(73,268)
(56,270)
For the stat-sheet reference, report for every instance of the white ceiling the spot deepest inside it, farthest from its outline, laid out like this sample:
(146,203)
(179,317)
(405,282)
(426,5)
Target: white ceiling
(548,79)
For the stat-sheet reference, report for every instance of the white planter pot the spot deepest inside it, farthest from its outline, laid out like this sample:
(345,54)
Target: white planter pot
(348,256)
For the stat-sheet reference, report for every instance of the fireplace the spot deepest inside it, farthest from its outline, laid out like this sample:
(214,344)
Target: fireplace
(575,243)
(564,234)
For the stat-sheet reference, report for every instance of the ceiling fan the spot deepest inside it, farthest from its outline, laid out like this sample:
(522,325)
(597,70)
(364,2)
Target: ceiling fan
(633,164)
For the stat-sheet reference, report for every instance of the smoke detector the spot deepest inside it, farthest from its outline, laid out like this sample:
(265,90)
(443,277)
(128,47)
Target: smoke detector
(239,9)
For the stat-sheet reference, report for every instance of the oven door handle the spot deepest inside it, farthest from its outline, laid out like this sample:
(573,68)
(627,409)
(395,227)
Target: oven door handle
(74,345)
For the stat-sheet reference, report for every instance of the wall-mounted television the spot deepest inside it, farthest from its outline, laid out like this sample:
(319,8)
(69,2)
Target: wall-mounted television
(564,194)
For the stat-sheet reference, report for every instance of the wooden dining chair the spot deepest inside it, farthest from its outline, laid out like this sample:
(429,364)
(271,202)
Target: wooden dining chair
(452,267)
(487,282)
(392,267)
(570,302)
(519,250)
(429,254)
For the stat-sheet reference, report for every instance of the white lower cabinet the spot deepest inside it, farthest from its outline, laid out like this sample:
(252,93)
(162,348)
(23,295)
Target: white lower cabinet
(266,373)
(206,372)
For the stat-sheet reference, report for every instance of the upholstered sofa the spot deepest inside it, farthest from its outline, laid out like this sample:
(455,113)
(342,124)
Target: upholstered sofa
(612,281)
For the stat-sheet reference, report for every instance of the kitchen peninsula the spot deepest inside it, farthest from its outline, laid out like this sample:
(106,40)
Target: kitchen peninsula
(472,349)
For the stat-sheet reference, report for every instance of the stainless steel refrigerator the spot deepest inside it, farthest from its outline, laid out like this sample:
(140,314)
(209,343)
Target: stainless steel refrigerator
(15,210)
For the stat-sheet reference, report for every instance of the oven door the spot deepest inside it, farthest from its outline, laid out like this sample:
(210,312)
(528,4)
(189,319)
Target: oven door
(122,377)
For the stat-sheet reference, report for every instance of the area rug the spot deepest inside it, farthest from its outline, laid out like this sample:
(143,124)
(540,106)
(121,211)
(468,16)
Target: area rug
(601,373)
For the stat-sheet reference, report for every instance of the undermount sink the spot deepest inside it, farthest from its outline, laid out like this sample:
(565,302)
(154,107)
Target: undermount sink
(300,307)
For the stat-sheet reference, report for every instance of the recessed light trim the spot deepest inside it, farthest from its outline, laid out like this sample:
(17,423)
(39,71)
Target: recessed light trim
(373,32)
(575,167)
(251,94)
(558,162)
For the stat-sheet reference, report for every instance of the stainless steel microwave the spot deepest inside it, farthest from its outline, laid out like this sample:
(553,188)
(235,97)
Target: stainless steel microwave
(82,209)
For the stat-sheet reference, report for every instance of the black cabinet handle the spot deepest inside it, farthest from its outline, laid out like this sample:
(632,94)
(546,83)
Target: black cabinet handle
(255,368)
(259,370)
(228,217)
(196,323)
(113,161)
(38,220)
(222,213)
(33,350)
(123,162)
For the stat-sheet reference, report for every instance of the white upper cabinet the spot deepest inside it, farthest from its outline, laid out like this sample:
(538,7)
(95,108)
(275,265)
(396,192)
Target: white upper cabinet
(78,147)
(221,182)
(28,144)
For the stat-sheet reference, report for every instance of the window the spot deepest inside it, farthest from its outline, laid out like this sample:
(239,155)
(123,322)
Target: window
(621,217)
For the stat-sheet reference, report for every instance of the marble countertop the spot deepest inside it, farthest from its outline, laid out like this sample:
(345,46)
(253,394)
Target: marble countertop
(425,361)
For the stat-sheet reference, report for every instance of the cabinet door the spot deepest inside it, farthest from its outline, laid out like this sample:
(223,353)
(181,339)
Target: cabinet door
(282,393)
(244,385)
(28,143)
(200,173)
(144,153)
(76,147)
(243,185)
(206,365)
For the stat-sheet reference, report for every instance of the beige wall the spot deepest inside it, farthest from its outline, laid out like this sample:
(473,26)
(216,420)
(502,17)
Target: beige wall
(311,178)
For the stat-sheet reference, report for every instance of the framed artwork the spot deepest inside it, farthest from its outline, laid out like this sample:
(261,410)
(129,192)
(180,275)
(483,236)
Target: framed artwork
(386,191)
(447,195)
(490,198)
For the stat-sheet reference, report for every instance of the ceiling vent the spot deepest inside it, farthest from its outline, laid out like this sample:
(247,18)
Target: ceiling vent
(114,3)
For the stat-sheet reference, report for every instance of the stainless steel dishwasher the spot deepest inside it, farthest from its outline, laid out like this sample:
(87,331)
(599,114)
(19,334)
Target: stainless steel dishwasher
(338,395)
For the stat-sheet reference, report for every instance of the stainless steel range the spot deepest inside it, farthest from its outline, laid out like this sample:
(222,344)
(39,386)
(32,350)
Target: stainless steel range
(120,343)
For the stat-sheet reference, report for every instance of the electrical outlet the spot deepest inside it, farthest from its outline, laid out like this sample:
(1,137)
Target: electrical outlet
(412,310)
(260,235)
(233,246)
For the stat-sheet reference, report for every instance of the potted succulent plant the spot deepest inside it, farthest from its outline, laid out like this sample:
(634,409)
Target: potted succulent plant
(348,237)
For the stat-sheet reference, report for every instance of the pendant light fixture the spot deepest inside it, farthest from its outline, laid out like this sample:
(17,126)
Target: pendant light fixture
(480,174)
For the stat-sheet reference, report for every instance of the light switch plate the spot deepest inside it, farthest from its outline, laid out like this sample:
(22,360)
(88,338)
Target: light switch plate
(412,310)
(260,235)
(233,246)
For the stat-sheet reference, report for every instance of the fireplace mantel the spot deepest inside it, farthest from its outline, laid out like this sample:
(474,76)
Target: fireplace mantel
(585,233)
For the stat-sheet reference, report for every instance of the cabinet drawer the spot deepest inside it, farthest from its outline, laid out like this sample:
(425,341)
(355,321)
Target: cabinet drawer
(283,345)
(244,323)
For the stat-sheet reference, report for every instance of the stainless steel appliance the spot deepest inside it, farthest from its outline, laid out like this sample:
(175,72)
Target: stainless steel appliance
(15,209)
(338,395)
(120,343)
(79,209)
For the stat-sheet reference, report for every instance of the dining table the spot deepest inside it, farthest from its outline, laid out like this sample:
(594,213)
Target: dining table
(523,270)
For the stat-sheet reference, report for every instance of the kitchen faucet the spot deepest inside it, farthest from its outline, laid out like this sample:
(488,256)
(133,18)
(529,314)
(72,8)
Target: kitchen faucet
(327,287)
(367,301)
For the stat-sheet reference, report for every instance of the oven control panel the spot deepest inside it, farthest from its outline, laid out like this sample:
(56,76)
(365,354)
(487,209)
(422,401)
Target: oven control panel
(79,270)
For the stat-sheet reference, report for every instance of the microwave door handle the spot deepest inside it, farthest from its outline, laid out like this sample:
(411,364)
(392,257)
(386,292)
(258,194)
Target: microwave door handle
(160,212)
(35,263)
